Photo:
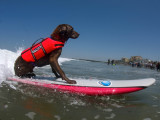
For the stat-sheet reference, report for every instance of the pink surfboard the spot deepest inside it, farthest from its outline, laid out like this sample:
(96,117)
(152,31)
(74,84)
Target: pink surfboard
(90,87)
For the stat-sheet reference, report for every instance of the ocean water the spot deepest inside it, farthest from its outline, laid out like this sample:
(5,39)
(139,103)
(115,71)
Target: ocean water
(26,102)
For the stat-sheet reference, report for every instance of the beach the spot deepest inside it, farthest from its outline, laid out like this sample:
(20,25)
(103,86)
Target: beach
(26,102)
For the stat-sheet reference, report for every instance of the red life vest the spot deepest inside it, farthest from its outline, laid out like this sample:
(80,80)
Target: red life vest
(41,49)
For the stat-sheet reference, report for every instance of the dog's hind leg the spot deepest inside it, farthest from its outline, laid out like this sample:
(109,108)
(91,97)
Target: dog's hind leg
(28,75)
(23,69)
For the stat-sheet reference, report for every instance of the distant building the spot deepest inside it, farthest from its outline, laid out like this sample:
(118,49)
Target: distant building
(125,60)
(146,61)
(136,58)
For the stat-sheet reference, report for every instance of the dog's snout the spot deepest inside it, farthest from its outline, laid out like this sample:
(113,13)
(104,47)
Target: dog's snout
(74,35)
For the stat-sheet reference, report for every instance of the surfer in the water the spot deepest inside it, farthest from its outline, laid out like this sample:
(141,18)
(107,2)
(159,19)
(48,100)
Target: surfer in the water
(46,52)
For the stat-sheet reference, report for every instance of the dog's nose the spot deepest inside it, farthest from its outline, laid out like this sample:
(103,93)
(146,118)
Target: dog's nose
(78,34)
(74,35)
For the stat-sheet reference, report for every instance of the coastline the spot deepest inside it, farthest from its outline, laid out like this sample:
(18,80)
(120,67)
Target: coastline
(139,63)
(90,60)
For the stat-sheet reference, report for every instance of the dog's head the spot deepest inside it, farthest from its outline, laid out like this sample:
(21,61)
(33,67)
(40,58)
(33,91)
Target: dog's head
(64,32)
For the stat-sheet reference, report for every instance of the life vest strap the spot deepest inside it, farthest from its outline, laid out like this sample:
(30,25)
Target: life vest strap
(59,45)
(37,41)
(43,48)
(33,54)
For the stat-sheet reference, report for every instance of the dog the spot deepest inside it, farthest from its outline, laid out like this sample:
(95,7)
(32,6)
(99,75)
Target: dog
(62,33)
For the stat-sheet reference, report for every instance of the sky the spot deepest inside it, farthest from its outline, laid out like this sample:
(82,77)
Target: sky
(109,29)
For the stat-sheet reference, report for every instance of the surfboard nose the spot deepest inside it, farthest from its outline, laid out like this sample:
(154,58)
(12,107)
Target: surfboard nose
(151,81)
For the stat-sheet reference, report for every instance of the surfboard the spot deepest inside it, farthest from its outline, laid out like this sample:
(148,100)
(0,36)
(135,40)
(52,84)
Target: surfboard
(89,87)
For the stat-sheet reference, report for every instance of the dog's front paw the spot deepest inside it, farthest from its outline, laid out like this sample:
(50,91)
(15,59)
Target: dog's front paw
(71,81)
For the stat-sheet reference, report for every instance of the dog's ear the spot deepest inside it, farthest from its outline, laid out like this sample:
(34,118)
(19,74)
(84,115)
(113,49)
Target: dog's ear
(62,31)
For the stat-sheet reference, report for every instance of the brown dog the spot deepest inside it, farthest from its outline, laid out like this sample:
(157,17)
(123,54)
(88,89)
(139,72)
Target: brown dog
(25,69)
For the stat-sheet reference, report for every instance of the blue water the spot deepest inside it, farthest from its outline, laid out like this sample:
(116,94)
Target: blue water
(25,102)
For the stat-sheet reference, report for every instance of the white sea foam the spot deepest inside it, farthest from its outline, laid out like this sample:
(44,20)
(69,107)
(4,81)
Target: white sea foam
(111,116)
(31,115)
(7,63)
(7,59)
(61,60)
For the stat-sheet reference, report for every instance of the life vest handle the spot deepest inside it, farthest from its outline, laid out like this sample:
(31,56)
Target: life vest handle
(37,41)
